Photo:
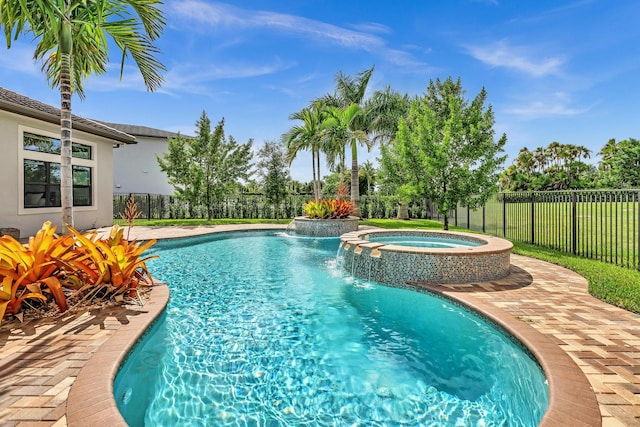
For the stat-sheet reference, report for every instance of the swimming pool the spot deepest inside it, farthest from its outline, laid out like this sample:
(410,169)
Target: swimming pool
(264,329)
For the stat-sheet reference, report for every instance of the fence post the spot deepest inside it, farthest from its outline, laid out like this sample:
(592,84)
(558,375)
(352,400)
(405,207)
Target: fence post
(148,206)
(533,218)
(468,217)
(484,217)
(574,223)
(504,215)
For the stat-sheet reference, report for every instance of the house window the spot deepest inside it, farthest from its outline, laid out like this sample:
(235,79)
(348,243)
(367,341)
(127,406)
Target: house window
(42,172)
(46,144)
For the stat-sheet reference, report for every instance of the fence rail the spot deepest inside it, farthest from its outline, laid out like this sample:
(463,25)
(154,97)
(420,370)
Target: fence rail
(595,224)
(250,205)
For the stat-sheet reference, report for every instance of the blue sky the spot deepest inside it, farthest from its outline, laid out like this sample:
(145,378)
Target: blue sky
(566,71)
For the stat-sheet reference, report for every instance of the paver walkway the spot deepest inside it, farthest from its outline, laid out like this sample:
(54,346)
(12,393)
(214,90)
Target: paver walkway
(602,339)
(40,360)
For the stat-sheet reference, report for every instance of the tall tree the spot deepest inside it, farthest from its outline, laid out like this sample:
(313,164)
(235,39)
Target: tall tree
(339,131)
(368,172)
(620,164)
(273,169)
(446,148)
(307,136)
(555,167)
(349,91)
(72,42)
(206,169)
(383,111)
(627,163)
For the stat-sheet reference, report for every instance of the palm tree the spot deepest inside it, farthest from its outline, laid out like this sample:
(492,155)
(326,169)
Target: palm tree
(383,111)
(608,154)
(368,172)
(339,131)
(71,39)
(541,159)
(553,153)
(307,136)
(525,160)
(350,91)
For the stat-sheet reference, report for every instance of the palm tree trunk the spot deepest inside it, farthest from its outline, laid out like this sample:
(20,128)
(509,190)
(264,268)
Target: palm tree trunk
(315,181)
(355,182)
(318,169)
(66,176)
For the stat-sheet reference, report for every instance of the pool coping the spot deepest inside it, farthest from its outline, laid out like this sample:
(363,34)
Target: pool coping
(91,399)
(494,245)
(572,400)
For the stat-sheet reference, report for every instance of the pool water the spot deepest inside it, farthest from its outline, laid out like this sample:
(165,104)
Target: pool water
(424,242)
(263,329)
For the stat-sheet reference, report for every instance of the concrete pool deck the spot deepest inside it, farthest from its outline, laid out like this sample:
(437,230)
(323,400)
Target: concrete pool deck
(57,371)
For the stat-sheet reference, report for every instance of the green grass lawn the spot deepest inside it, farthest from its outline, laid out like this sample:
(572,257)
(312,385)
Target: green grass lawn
(616,285)
(606,231)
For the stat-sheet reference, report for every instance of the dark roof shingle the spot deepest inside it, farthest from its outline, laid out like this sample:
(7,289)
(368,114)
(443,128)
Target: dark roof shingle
(19,104)
(136,130)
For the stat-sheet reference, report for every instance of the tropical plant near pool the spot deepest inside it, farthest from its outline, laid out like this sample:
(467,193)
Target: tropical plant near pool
(84,265)
(131,213)
(112,264)
(337,208)
(25,269)
(328,209)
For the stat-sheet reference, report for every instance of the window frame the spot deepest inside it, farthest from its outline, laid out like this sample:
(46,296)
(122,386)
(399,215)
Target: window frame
(25,154)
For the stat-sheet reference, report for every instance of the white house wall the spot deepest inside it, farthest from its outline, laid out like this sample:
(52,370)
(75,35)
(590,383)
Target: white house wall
(136,170)
(28,221)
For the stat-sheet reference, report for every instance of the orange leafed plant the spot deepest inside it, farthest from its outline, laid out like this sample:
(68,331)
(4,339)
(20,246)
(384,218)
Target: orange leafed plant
(24,269)
(131,213)
(330,208)
(80,262)
(113,262)
(341,208)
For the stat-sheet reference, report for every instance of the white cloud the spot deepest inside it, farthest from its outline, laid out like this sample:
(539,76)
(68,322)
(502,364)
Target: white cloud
(220,14)
(183,78)
(557,104)
(372,27)
(519,58)
(20,59)
(212,16)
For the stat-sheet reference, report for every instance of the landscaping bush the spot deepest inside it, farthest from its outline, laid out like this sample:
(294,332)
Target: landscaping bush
(53,269)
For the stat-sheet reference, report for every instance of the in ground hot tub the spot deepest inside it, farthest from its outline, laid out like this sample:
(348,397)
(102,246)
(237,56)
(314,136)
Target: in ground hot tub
(401,256)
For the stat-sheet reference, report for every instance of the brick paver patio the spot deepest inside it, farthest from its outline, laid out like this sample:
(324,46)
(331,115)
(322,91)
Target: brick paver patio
(41,360)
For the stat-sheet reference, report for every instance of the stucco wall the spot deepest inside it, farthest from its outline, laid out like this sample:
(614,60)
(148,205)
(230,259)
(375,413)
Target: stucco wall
(28,221)
(136,169)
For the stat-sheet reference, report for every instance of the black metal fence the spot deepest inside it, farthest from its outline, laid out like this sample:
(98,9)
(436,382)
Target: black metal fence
(245,206)
(249,205)
(595,224)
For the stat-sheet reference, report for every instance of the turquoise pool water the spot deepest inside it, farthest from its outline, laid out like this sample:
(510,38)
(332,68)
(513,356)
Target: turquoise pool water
(424,242)
(263,329)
